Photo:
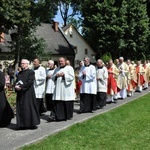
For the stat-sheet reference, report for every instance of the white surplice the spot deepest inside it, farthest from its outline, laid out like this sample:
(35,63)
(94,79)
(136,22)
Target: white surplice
(102,74)
(89,84)
(39,82)
(49,82)
(64,86)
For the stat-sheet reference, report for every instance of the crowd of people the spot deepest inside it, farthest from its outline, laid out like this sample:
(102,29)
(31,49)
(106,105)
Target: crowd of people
(55,89)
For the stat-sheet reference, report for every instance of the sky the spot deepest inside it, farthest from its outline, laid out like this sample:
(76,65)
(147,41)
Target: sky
(59,19)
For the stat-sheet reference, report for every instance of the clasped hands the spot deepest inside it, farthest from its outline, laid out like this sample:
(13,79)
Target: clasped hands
(60,74)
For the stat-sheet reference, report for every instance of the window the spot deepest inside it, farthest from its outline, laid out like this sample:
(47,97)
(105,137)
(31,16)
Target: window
(86,51)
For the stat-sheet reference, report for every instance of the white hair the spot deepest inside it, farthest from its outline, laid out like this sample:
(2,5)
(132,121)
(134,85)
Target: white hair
(100,60)
(51,62)
(25,60)
(121,58)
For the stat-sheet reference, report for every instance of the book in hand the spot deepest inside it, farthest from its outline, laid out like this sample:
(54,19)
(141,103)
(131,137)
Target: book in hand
(19,82)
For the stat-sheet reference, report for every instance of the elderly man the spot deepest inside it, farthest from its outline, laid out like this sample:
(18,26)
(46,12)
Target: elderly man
(146,74)
(27,110)
(112,82)
(39,84)
(140,76)
(102,77)
(63,96)
(49,85)
(88,90)
(6,112)
(131,75)
(122,78)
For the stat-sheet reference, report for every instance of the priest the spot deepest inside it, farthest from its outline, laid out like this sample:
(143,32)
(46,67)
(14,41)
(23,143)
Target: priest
(88,90)
(102,77)
(64,94)
(49,85)
(6,113)
(112,82)
(122,78)
(27,110)
(39,84)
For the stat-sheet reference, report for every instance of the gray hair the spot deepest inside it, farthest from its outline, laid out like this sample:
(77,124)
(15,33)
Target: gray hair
(51,62)
(86,57)
(121,58)
(25,60)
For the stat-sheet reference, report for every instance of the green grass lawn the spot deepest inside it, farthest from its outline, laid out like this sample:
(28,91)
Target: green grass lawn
(124,128)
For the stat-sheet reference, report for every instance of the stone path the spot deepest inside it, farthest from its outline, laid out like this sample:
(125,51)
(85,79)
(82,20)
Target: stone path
(11,139)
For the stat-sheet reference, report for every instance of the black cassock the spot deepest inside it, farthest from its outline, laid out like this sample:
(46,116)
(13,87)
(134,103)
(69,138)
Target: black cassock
(27,110)
(6,113)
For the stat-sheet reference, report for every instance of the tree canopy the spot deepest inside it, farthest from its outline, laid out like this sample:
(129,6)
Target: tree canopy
(24,16)
(118,27)
(68,9)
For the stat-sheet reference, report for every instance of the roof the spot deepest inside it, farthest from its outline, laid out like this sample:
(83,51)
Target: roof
(56,42)
(66,27)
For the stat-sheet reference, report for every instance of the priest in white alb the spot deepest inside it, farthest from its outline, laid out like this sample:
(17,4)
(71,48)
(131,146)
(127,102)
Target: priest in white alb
(102,78)
(64,94)
(88,89)
(49,85)
(39,84)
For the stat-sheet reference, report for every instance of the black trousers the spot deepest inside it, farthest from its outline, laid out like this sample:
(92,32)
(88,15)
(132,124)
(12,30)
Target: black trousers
(49,102)
(63,110)
(40,104)
(101,99)
(87,102)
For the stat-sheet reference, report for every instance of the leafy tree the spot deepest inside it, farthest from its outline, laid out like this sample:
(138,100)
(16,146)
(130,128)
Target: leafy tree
(25,15)
(137,33)
(43,10)
(75,22)
(117,27)
(31,46)
(100,24)
(66,5)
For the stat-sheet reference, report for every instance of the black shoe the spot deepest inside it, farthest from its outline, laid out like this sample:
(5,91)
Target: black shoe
(109,102)
(91,111)
(98,107)
(21,128)
(51,119)
(33,127)
(101,107)
(80,112)
(43,111)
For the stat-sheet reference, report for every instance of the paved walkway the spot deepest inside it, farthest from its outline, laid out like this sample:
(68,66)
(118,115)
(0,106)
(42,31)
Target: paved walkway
(11,139)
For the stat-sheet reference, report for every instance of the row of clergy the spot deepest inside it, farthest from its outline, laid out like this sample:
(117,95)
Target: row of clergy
(113,81)
(95,86)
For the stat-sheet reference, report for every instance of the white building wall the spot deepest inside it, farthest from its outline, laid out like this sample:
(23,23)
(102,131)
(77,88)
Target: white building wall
(81,45)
